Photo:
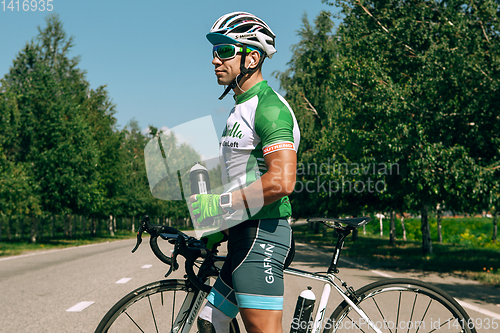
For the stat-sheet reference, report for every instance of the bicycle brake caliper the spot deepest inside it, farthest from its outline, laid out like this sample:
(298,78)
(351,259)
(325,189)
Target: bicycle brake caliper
(352,295)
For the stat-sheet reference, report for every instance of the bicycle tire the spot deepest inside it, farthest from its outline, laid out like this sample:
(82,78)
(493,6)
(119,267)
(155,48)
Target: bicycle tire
(146,310)
(408,305)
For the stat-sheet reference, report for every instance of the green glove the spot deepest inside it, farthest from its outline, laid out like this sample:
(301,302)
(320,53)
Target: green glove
(206,205)
(213,239)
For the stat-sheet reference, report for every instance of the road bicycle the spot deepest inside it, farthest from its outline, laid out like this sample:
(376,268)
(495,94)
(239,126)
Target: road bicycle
(383,306)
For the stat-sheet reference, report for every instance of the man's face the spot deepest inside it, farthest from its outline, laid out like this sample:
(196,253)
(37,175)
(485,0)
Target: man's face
(226,70)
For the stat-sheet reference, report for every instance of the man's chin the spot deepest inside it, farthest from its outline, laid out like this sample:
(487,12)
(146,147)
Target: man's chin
(224,82)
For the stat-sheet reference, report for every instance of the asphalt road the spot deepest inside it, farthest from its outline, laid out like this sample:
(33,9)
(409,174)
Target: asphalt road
(38,289)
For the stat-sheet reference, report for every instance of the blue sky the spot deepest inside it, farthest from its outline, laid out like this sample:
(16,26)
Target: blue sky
(153,55)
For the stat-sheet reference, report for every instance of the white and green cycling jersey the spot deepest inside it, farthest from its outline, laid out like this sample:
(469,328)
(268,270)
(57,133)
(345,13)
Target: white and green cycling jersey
(261,122)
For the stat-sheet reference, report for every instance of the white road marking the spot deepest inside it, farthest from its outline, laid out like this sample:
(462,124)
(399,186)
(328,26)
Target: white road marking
(352,263)
(147,266)
(381,274)
(478,309)
(80,306)
(124,280)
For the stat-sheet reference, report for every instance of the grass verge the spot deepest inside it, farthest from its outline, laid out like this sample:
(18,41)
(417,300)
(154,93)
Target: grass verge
(482,264)
(16,247)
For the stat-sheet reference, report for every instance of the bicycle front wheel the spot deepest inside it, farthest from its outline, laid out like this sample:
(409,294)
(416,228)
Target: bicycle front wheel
(150,308)
(401,304)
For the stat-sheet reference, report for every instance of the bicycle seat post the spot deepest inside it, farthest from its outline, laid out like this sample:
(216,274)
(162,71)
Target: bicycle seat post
(343,233)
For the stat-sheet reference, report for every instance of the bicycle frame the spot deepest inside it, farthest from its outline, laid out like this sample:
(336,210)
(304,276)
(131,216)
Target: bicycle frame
(329,281)
(194,300)
(196,286)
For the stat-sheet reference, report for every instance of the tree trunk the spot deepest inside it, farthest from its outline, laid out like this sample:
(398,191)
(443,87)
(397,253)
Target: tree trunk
(392,233)
(316,228)
(70,225)
(93,226)
(426,231)
(403,226)
(9,229)
(66,226)
(20,233)
(34,226)
(78,224)
(133,224)
(381,227)
(84,224)
(439,214)
(495,225)
(110,226)
(355,232)
(52,232)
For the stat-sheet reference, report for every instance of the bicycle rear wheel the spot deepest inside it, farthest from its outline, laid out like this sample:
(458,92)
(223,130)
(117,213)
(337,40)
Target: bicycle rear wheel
(401,304)
(153,308)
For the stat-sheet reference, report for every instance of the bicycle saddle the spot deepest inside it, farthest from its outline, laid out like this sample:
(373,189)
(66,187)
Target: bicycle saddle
(354,222)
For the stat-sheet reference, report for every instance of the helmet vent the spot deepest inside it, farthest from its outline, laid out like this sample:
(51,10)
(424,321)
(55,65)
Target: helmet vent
(228,19)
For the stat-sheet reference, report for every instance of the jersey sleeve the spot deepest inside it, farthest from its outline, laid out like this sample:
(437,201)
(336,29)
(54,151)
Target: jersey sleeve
(274,125)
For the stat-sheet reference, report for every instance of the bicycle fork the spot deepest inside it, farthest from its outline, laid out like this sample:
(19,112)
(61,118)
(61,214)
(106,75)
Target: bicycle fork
(189,309)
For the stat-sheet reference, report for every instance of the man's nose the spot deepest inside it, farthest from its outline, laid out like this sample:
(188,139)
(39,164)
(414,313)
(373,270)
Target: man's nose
(216,60)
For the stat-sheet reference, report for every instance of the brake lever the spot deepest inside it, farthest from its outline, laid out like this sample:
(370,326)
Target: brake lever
(174,266)
(139,239)
(142,227)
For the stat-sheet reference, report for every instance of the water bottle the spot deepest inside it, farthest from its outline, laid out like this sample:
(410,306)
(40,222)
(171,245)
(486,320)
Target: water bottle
(302,317)
(200,184)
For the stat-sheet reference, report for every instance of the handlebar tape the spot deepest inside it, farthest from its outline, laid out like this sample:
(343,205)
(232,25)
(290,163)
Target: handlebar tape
(191,254)
(153,242)
(192,276)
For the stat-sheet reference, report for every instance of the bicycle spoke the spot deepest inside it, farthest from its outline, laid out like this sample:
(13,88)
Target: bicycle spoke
(373,298)
(397,316)
(396,307)
(425,313)
(352,321)
(173,310)
(446,322)
(412,310)
(147,309)
(152,312)
(134,322)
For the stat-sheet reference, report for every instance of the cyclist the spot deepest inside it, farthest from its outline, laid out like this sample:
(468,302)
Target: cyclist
(258,149)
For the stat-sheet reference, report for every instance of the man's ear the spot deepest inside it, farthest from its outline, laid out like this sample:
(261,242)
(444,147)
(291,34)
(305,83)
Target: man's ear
(254,58)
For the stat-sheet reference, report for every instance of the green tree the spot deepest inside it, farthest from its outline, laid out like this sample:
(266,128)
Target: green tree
(405,90)
(442,60)
(57,113)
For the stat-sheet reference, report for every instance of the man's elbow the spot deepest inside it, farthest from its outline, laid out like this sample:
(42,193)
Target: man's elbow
(286,188)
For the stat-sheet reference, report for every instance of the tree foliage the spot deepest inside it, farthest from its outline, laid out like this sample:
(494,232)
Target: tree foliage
(61,152)
(412,86)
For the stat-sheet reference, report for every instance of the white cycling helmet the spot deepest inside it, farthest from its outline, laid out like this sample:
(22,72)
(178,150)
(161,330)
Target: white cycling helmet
(243,28)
